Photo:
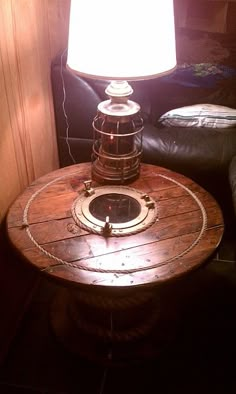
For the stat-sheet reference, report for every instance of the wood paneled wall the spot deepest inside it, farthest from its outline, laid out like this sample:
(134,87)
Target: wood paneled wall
(32,32)
(216,16)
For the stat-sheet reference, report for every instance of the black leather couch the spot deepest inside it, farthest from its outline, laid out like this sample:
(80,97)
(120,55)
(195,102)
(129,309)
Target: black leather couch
(203,154)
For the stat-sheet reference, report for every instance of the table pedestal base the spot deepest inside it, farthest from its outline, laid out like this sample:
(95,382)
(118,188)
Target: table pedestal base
(116,329)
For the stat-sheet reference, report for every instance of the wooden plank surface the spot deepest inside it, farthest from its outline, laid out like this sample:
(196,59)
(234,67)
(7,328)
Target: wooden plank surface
(176,243)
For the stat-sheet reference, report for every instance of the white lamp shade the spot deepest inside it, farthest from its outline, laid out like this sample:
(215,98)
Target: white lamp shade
(121,40)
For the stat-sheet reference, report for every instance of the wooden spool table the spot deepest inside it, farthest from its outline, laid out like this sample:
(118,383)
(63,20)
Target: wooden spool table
(109,308)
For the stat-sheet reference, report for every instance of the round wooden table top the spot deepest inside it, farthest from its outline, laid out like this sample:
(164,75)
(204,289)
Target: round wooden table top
(188,230)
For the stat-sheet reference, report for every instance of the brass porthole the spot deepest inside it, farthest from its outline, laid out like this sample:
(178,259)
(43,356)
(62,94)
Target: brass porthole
(114,210)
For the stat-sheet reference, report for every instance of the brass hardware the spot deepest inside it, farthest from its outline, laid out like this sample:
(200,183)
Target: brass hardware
(149,203)
(89,191)
(145,197)
(107,229)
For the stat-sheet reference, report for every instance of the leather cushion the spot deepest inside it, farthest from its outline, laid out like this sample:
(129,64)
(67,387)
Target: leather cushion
(232,180)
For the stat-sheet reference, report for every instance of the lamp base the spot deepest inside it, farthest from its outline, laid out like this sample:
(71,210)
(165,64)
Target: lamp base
(118,130)
(104,173)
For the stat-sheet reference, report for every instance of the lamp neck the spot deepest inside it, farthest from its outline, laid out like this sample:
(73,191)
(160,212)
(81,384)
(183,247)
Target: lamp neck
(119,103)
(119,89)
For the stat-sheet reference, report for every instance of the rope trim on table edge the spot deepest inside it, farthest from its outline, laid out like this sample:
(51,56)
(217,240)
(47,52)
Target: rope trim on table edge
(59,261)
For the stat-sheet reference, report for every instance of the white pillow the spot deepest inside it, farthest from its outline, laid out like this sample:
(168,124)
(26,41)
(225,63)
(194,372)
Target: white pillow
(200,115)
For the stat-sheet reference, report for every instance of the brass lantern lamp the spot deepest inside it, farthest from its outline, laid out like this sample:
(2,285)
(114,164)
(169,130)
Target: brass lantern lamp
(118,130)
(120,42)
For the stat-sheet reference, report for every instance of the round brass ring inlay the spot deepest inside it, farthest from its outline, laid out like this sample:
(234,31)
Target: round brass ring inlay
(125,210)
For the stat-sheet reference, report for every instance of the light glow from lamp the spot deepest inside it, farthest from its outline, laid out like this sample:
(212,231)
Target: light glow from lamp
(121,40)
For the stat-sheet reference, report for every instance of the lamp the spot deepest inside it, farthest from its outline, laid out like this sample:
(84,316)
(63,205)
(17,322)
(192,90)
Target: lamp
(119,42)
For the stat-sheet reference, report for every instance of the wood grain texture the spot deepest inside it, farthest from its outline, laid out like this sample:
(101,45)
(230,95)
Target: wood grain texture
(207,15)
(175,244)
(32,32)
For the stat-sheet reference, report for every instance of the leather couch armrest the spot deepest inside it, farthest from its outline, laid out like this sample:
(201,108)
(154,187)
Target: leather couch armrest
(232,180)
